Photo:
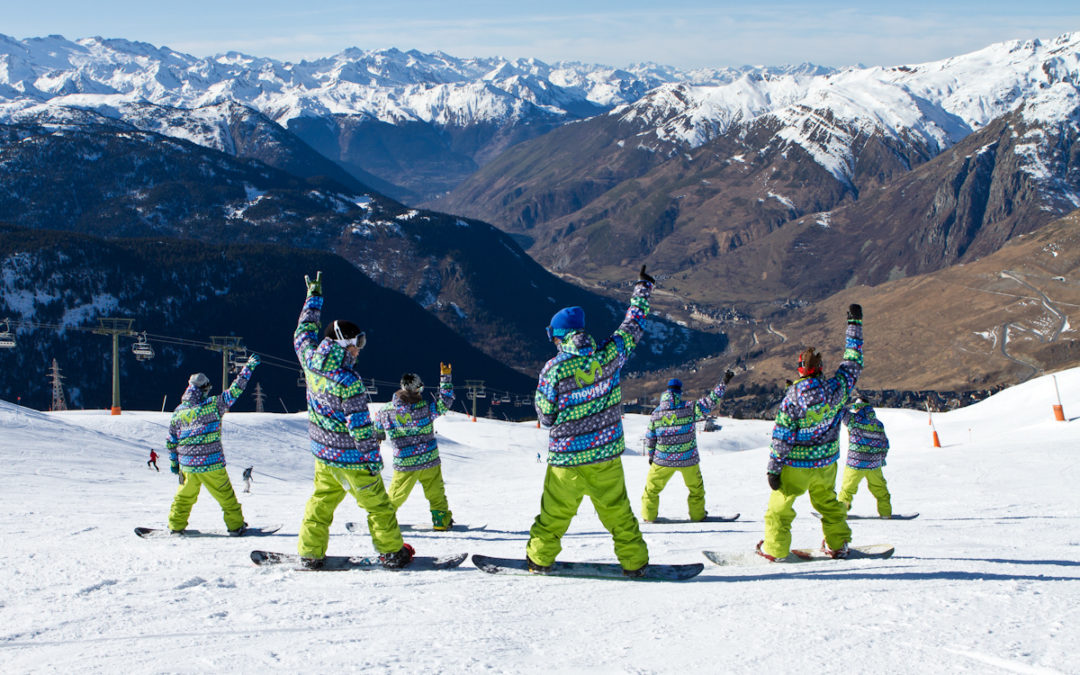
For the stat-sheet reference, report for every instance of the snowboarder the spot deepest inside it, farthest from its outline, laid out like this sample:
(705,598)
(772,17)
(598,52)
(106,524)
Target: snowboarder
(579,398)
(867,447)
(408,422)
(805,447)
(672,445)
(247,479)
(153,460)
(195,452)
(347,459)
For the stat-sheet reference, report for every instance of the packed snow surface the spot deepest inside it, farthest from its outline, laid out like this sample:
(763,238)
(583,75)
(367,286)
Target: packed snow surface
(987,579)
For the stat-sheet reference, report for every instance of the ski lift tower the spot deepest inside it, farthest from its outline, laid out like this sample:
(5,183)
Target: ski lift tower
(115,327)
(226,344)
(58,402)
(476,390)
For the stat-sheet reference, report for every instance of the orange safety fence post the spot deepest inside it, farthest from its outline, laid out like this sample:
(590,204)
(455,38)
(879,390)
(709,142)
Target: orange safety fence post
(930,416)
(1059,412)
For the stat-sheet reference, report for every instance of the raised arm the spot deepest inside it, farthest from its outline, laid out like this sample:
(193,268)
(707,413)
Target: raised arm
(851,367)
(704,405)
(446,390)
(229,396)
(306,336)
(628,334)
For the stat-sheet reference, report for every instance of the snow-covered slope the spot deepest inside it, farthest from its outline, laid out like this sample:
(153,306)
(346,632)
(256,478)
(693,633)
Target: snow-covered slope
(986,579)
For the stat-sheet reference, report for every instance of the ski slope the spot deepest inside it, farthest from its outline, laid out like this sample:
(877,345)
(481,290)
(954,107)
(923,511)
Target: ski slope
(987,579)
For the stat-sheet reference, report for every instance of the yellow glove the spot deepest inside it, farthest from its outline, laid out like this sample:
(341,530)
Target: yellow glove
(444,368)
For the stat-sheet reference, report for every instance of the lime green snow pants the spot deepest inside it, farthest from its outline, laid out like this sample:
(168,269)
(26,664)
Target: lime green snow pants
(430,479)
(219,486)
(875,482)
(659,476)
(564,488)
(821,484)
(331,486)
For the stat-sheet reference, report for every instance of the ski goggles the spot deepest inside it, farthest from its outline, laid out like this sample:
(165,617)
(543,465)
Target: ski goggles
(357,340)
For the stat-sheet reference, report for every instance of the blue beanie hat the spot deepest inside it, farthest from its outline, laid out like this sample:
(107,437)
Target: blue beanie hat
(674,383)
(566,320)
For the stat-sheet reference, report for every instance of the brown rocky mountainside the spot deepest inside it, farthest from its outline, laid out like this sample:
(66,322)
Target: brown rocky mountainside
(750,220)
(1001,319)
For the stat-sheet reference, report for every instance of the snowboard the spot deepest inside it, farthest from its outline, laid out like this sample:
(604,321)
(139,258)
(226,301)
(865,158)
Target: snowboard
(740,558)
(687,521)
(333,563)
(154,533)
(426,527)
(895,516)
(586,570)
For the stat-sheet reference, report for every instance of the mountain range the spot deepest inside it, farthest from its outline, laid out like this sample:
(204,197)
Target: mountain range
(761,196)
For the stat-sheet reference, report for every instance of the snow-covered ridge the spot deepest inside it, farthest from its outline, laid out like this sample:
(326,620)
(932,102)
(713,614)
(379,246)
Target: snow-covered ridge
(937,103)
(389,85)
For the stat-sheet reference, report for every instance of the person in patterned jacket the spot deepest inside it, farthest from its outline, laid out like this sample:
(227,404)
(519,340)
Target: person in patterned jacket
(347,459)
(867,447)
(672,444)
(408,421)
(805,447)
(579,398)
(195,452)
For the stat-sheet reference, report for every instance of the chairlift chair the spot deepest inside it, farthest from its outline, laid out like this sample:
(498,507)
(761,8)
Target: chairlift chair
(480,393)
(7,338)
(373,388)
(237,359)
(142,348)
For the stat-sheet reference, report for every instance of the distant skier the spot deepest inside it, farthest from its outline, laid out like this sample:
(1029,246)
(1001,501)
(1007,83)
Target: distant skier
(347,459)
(539,459)
(805,447)
(195,452)
(153,460)
(247,479)
(867,447)
(408,421)
(672,443)
(578,397)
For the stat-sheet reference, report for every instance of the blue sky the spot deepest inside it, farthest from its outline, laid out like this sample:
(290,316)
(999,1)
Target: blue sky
(684,33)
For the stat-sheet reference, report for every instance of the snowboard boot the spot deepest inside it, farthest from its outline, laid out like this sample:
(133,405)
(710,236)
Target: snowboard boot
(176,533)
(635,574)
(839,553)
(790,557)
(238,532)
(398,559)
(441,520)
(537,568)
(312,563)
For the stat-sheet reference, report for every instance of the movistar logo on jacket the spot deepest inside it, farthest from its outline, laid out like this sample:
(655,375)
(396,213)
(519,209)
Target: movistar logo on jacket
(588,376)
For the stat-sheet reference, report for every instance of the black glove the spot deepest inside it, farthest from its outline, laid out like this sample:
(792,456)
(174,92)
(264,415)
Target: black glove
(642,276)
(774,481)
(727,376)
(854,313)
(650,460)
